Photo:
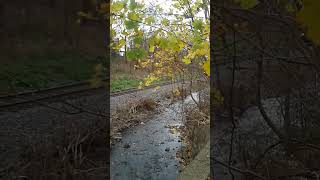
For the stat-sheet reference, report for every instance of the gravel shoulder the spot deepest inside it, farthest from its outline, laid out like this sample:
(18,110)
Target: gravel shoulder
(24,130)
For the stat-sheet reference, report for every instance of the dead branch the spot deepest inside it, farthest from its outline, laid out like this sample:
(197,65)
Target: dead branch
(242,171)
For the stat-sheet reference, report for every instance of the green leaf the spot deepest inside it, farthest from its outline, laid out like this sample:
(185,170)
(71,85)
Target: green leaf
(152,43)
(173,43)
(133,16)
(117,6)
(198,24)
(247,4)
(134,54)
(149,20)
(138,40)
(130,24)
(125,33)
(165,22)
(290,7)
(163,43)
(121,43)
(133,5)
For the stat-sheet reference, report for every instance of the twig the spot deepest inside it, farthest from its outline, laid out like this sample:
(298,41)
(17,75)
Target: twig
(265,152)
(84,110)
(238,170)
(231,104)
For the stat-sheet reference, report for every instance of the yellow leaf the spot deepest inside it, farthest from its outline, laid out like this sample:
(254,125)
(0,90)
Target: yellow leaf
(201,52)
(186,60)
(133,16)
(140,85)
(116,6)
(176,92)
(151,49)
(206,67)
(122,42)
(156,88)
(181,45)
(308,16)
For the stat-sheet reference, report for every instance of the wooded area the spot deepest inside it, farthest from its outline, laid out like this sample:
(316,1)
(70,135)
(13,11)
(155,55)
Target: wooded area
(266,64)
(239,75)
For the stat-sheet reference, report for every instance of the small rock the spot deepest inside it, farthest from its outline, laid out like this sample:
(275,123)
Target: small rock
(142,123)
(162,142)
(167,149)
(126,146)
(179,140)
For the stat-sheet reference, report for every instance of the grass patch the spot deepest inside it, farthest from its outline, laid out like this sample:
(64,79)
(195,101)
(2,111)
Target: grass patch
(124,83)
(35,71)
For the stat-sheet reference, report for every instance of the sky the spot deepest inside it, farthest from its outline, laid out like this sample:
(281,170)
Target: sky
(165,4)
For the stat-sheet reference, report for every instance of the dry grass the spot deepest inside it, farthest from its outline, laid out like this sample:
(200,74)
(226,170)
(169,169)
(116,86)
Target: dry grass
(196,129)
(131,114)
(120,69)
(71,153)
(176,94)
(195,133)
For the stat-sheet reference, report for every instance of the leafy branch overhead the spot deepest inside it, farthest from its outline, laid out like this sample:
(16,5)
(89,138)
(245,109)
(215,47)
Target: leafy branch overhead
(183,28)
(181,32)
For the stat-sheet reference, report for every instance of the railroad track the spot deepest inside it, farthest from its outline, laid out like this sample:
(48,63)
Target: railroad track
(65,91)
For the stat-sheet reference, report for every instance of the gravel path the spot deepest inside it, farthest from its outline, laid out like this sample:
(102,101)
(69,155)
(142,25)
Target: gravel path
(119,101)
(38,125)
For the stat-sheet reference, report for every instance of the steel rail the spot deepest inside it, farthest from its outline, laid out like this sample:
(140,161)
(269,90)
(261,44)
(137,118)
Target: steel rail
(62,91)
(70,85)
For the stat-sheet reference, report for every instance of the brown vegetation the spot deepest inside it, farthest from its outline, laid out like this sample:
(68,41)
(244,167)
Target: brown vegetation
(75,151)
(132,114)
(270,59)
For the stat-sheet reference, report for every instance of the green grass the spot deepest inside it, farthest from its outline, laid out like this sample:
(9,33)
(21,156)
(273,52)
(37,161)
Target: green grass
(20,73)
(124,83)
(44,70)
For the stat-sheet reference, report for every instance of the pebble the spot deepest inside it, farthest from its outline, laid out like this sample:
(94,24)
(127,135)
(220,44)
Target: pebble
(167,149)
(126,146)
